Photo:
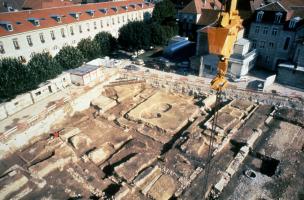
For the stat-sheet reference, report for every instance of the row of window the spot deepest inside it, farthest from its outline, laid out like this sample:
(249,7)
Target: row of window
(262,44)
(72,32)
(264,30)
(277,18)
(271,45)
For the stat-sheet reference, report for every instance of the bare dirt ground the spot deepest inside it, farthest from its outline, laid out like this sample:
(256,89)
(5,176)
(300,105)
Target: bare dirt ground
(152,144)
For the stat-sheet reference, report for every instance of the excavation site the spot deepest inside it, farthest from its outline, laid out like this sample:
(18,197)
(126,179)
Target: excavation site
(141,139)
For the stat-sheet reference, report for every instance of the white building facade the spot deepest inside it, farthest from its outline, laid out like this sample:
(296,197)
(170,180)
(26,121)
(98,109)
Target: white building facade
(47,30)
(243,58)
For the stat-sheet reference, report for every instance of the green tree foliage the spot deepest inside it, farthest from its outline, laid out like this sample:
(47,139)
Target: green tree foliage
(158,34)
(14,77)
(90,49)
(69,57)
(41,68)
(106,42)
(164,13)
(134,36)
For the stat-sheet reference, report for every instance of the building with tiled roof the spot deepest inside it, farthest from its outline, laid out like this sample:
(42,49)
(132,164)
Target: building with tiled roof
(275,31)
(26,32)
(197,14)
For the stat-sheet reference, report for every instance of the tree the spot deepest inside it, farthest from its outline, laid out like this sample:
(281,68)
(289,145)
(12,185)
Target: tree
(134,36)
(159,35)
(14,77)
(106,42)
(164,13)
(41,68)
(89,49)
(69,57)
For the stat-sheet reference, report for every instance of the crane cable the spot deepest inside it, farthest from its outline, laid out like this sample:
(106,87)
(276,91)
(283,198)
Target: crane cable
(211,140)
(214,122)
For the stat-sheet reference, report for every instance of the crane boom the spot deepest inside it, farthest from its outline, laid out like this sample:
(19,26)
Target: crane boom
(221,39)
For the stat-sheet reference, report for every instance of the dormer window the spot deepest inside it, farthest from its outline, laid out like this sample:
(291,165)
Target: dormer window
(147,4)
(57,18)
(293,22)
(132,5)
(9,27)
(125,7)
(76,15)
(115,9)
(278,17)
(104,10)
(141,5)
(34,21)
(259,16)
(91,12)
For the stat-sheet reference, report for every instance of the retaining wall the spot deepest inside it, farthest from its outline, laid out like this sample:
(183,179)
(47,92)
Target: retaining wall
(192,85)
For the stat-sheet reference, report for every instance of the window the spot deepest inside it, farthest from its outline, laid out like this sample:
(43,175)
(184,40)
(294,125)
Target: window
(95,26)
(22,59)
(29,40)
(108,22)
(80,29)
(16,44)
(88,27)
(267,59)
(271,44)
(52,35)
(274,31)
(2,51)
(262,44)
(265,30)
(41,38)
(113,21)
(101,24)
(259,16)
(71,30)
(59,19)
(118,19)
(62,32)
(254,42)
(293,22)
(36,23)
(286,44)
(257,29)
(278,17)
(123,19)
(9,27)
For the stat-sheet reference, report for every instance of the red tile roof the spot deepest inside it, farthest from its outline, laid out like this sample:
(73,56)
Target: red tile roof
(196,6)
(20,22)
(208,17)
(39,4)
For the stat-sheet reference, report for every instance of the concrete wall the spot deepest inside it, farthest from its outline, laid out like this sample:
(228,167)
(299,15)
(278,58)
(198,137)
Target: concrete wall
(290,77)
(3,113)
(61,81)
(42,92)
(20,102)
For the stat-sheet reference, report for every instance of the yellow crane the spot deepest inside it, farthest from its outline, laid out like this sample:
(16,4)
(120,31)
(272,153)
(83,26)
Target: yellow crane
(221,39)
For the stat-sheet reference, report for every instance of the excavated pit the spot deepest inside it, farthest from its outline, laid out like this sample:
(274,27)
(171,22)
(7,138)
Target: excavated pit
(140,142)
